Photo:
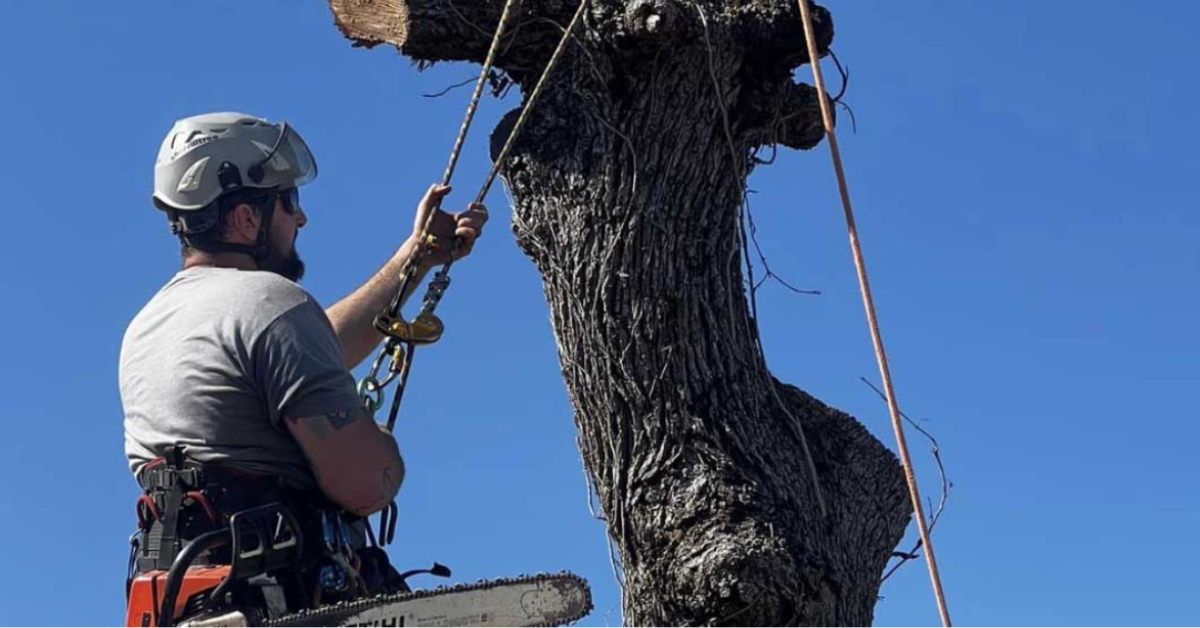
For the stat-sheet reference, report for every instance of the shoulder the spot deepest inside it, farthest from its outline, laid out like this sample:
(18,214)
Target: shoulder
(268,304)
(225,301)
(258,295)
(269,293)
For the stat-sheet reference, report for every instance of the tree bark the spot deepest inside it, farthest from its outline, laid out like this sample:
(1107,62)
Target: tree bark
(628,184)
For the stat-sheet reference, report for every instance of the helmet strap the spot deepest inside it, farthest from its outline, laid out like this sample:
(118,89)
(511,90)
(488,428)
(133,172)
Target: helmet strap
(260,251)
(262,246)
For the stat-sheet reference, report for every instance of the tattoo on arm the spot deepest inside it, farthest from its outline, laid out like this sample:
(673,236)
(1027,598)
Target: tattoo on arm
(354,462)
(338,420)
(322,425)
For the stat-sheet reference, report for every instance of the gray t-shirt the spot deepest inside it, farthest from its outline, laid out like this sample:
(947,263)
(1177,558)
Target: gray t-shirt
(215,362)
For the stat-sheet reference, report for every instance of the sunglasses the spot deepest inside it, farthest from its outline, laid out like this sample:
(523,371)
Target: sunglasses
(290,199)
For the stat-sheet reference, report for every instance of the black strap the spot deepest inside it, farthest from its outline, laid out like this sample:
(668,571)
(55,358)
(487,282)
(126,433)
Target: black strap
(259,251)
(132,570)
(179,488)
(168,542)
(387,525)
(391,535)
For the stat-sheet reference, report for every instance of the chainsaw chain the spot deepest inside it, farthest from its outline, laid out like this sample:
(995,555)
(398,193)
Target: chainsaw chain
(326,615)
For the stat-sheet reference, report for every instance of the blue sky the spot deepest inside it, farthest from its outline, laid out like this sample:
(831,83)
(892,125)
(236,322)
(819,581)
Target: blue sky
(1025,176)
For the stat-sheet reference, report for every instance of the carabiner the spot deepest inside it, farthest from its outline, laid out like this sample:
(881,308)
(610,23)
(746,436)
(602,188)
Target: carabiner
(371,393)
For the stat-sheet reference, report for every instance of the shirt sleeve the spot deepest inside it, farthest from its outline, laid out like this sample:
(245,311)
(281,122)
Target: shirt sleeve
(298,366)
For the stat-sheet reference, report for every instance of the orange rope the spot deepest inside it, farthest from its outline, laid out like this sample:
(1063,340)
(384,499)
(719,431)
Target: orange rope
(869,304)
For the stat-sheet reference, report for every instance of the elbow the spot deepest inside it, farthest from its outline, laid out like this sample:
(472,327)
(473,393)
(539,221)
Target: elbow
(365,490)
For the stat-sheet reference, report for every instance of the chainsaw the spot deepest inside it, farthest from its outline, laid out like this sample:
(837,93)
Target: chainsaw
(541,600)
(268,540)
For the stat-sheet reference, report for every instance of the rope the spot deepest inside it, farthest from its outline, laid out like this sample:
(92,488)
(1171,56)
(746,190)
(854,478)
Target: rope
(533,96)
(872,321)
(408,272)
(505,17)
(432,297)
(522,117)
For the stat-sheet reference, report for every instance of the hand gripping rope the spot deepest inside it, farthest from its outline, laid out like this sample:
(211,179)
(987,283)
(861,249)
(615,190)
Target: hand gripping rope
(872,321)
(403,337)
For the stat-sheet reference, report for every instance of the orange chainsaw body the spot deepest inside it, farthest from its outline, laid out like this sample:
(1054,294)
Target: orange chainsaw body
(146,594)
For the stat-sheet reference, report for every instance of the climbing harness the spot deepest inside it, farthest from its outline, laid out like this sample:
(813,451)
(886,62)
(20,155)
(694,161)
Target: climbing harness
(869,304)
(404,336)
(245,525)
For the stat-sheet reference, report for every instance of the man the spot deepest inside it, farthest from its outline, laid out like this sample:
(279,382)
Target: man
(236,364)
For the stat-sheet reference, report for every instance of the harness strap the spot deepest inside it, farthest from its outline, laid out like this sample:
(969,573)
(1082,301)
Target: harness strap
(168,542)
(184,499)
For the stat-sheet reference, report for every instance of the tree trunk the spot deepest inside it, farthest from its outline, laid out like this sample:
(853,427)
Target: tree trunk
(628,183)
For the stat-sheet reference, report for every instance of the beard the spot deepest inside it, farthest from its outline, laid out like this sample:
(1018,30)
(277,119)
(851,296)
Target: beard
(289,265)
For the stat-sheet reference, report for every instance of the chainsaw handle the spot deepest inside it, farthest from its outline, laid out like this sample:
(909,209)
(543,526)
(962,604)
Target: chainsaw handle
(206,541)
(438,569)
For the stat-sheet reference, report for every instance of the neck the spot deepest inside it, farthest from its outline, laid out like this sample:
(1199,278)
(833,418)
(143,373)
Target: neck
(240,261)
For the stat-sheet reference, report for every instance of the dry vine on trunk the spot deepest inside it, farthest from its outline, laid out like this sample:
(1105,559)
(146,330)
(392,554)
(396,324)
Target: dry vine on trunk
(628,184)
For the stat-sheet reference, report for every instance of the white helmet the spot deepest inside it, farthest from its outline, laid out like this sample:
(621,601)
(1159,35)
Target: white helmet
(209,155)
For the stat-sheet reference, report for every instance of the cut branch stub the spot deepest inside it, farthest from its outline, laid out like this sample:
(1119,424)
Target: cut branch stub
(444,30)
(799,123)
(369,23)
(772,32)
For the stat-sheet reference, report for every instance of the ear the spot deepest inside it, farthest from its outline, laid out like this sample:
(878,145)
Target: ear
(242,225)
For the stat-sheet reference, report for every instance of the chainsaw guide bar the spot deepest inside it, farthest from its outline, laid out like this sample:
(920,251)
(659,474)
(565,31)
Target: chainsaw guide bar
(539,600)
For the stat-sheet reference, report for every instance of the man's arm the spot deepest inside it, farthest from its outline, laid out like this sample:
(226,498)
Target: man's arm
(353,317)
(356,462)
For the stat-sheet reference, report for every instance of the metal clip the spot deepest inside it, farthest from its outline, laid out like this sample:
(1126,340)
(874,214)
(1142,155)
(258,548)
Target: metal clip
(435,292)
(425,329)
(332,578)
(371,393)
(329,533)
